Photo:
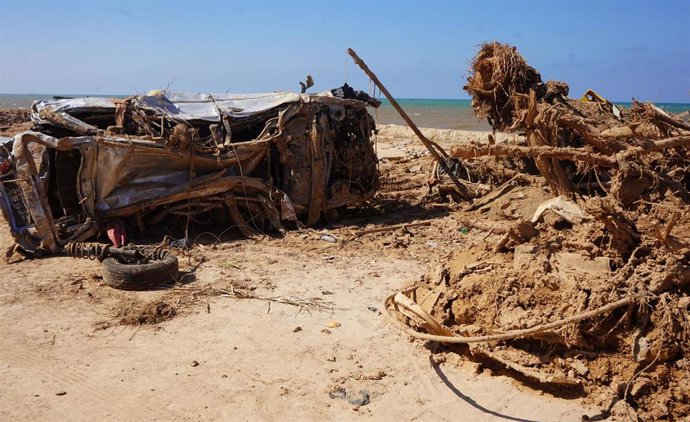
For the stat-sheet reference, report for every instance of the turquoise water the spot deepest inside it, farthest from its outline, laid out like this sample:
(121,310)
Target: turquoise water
(442,114)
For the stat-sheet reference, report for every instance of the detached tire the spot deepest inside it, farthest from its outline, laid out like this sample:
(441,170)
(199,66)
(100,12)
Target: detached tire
(139,276)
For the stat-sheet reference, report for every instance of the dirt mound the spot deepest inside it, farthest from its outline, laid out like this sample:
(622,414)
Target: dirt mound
(147,313)
(578,280)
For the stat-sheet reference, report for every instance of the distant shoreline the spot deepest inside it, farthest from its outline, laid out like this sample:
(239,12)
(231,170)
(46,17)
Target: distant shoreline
(401,100)
(453,114)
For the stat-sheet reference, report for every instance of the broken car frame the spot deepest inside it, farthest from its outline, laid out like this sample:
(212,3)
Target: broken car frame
(253,161)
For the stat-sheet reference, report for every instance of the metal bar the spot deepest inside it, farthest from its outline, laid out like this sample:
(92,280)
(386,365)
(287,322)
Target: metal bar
(430,145)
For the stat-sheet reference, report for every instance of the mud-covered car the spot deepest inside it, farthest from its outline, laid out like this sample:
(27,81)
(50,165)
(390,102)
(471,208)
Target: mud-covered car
(254,161)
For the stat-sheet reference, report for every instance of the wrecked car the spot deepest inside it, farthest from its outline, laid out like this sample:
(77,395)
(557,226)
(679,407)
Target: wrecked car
(254,161)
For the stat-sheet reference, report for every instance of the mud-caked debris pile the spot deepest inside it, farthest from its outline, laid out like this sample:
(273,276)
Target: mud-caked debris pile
(578,277)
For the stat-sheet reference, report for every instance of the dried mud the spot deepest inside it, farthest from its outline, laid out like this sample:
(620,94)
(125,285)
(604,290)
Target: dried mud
(617,234)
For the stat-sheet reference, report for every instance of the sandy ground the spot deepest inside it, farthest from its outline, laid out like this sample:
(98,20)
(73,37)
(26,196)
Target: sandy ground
(244,359)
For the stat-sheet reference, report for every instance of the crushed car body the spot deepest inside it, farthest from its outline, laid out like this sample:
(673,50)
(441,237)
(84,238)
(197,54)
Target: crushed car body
(256,161)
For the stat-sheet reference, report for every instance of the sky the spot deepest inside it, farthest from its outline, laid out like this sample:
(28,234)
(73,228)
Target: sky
(419,49)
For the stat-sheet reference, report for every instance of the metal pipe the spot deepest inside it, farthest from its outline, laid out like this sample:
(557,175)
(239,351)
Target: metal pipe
(430,145)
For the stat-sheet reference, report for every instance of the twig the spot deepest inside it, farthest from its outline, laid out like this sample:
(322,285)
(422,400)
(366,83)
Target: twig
(389,228)
(135,332)
(674,219)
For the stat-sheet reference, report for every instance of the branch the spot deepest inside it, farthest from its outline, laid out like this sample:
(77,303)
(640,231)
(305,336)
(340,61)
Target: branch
(473,151)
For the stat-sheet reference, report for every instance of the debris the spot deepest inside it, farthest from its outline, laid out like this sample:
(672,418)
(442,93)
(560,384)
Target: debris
(564,208)
(524,256)
(361,399)
(580,367)
(309,82)
(338,393)
(61,393)
(434,149)
(404,305)
(297,329)
(328,238)
(376,376)
(195,364)
(130,268)
(390,228)
(332,324)
(573,263)
(603,265)
(264,160)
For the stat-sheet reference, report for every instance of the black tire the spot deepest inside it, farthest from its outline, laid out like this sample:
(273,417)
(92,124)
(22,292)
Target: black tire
(140,276)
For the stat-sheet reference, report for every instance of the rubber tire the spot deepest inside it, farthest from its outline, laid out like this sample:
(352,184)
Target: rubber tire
(139,276)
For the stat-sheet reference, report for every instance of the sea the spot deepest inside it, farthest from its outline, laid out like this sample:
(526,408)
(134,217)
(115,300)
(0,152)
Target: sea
(434,113)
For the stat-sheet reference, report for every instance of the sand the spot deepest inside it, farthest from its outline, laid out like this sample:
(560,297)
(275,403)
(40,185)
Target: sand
(239,359)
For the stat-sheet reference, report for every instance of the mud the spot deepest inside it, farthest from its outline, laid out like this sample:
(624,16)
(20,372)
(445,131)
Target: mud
(616,233)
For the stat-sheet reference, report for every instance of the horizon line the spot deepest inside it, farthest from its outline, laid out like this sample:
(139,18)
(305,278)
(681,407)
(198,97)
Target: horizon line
(79,95)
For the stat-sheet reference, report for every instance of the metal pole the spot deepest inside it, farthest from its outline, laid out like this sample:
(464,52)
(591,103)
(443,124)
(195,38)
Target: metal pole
(430,145)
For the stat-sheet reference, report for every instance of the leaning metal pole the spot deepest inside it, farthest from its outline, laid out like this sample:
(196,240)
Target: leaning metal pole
(430,145)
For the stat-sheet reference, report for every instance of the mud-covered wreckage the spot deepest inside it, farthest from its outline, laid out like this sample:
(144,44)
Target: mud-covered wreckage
(255,161)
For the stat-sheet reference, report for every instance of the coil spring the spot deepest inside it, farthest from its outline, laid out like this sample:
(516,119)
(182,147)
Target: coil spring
(99,251)
(390,185)
(154,254)
(88,250)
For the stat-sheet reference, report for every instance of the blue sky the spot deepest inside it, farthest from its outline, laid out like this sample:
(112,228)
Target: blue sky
(419,49)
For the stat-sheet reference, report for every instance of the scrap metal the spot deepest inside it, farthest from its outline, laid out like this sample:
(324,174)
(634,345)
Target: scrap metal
(267,159)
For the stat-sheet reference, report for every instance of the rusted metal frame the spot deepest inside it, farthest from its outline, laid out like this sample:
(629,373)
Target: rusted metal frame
(121,108)
(176,209)
(317,155)
(33,193)
(237,218)
(250,151)
(66,121)
(189,191)
(271,212)
(431,146)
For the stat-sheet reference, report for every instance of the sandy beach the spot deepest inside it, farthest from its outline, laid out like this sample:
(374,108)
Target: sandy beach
(70,357)
(345,210)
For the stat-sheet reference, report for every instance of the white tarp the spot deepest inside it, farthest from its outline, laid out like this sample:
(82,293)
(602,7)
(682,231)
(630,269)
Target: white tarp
(183,105)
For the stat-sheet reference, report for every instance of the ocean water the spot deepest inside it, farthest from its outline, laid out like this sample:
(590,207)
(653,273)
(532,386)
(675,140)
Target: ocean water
(441,114)
(457,114)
